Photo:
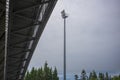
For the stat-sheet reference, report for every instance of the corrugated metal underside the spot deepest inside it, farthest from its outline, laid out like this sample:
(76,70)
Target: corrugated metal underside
(2,37)
(27,19)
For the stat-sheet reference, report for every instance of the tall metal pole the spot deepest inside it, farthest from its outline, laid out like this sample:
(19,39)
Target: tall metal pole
(64,16)
(64,49)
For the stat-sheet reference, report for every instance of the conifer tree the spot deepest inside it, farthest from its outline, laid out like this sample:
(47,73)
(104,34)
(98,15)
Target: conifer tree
(55,77)
(101,76)
(33,74)
(46,70)
(45,73)
(27,77)
(76,77)
(83,75)
(40,74)
(90,76)
(106,76)
(50,76)
(94,76)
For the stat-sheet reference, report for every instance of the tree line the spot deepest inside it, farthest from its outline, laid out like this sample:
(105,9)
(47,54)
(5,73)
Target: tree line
(45,73)
(94,76)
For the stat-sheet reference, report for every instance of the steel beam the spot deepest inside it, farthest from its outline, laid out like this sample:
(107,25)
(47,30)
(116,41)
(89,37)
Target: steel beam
(2,13)
(29,50)
(25,41)
(2,36)
(24,17)
(21,35)
(2,6)
(33,6)
(24,28)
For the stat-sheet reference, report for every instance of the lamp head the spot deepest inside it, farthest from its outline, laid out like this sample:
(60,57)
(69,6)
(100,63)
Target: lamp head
(63,14)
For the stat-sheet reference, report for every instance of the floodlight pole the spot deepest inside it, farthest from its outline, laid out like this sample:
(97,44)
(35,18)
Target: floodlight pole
(64,16)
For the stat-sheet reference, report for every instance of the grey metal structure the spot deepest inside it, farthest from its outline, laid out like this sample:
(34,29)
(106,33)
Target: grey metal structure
(2,37)
(27,20)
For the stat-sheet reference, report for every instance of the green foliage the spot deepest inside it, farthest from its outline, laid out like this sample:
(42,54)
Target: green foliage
(93,76)
(83,75)
(90,76)
(76,77)
(101,76)
(45,73)
(116,78)
(55,74)
(27,76)
(40,74)
(106,76)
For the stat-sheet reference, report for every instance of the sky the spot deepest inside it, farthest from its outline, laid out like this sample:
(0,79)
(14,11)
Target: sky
(93,37)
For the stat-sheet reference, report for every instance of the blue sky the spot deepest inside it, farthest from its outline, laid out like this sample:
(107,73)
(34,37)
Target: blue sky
(93,37)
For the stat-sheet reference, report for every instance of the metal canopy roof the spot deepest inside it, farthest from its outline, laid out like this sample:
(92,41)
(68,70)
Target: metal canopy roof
(27,19)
